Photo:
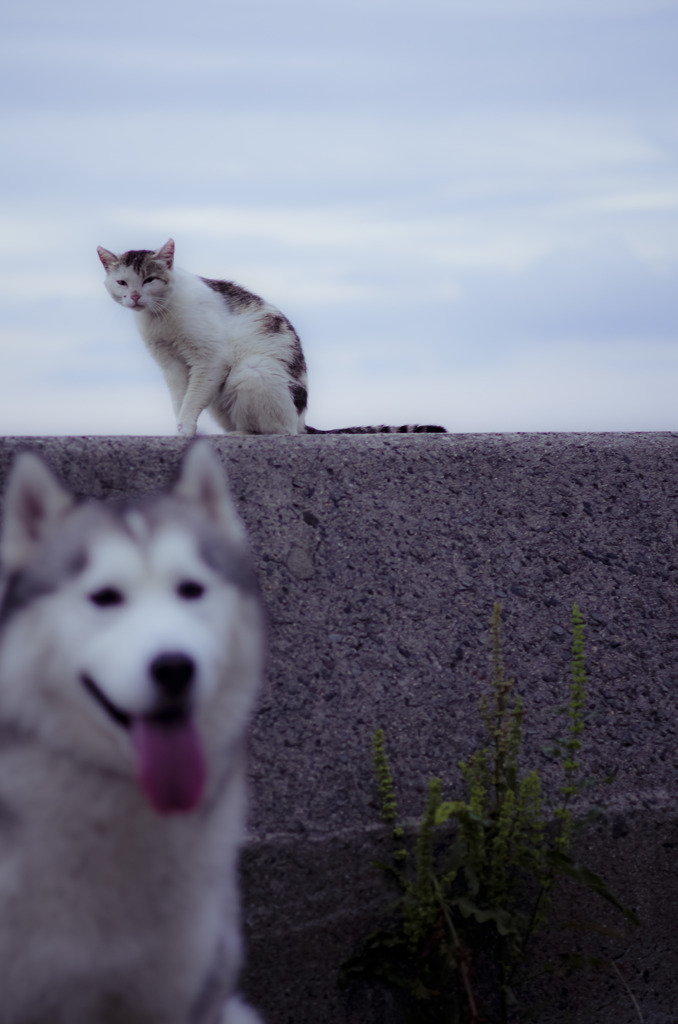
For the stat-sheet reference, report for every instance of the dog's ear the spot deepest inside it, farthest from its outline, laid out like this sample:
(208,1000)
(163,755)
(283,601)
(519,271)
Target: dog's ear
(203,482)
(34,502)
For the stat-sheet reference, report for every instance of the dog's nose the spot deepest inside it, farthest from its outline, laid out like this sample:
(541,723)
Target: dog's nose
(173,673)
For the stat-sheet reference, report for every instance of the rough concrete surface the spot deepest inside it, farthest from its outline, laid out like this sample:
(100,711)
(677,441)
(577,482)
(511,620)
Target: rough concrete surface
(380,558)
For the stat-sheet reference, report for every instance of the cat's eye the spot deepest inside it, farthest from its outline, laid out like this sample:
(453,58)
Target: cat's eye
(106,597)
(123,283)
(149,279)
(190,590)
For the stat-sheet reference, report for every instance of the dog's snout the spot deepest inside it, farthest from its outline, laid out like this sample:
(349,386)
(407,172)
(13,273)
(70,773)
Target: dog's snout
(173,673)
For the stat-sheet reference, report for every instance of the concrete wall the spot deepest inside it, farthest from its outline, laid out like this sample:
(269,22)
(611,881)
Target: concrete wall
(380,559)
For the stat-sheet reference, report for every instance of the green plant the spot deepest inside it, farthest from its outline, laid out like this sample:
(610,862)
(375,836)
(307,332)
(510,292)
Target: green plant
(475,883)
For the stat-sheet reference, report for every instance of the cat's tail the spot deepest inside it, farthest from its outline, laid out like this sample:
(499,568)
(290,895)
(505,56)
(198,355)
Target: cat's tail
(407,428)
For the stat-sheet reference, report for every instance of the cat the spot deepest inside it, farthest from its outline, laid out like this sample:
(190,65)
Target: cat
(220,347)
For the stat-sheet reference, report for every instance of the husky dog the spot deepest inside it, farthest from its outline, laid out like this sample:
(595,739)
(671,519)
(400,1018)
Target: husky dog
(219,346)
(130,659)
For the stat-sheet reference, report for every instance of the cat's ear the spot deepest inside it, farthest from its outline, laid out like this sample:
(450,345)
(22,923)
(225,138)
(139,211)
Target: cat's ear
(106,257)
(166,253)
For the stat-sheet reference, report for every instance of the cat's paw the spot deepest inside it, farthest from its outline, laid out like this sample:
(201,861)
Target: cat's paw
(186,429)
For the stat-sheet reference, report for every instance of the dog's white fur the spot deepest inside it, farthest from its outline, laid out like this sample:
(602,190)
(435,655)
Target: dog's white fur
(111,913)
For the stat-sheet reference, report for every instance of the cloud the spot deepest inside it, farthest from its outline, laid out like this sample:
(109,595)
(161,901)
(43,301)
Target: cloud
(97,409)
(601,291)
(446,202)
(28,285)
(572,386)
(569,387)
(555,8)
(459,154)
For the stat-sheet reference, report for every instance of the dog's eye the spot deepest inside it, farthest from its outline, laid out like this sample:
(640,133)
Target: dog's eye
(106,597)
(190,590)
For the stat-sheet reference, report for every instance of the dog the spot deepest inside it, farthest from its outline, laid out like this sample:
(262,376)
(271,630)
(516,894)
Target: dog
(131,639)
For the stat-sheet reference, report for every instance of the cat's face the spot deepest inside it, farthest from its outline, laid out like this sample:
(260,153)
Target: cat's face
(141,278)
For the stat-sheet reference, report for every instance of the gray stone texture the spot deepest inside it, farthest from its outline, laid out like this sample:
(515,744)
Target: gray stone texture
(380,558)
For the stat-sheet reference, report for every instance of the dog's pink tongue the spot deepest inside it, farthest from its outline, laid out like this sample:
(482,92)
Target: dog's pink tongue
(171,764)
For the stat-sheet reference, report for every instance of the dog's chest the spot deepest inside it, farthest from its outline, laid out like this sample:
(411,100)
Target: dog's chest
(106,920)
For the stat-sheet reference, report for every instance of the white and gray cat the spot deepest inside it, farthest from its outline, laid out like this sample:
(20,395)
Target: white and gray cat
(219,346)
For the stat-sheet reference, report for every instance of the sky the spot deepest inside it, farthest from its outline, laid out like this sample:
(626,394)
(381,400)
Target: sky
(467,208)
